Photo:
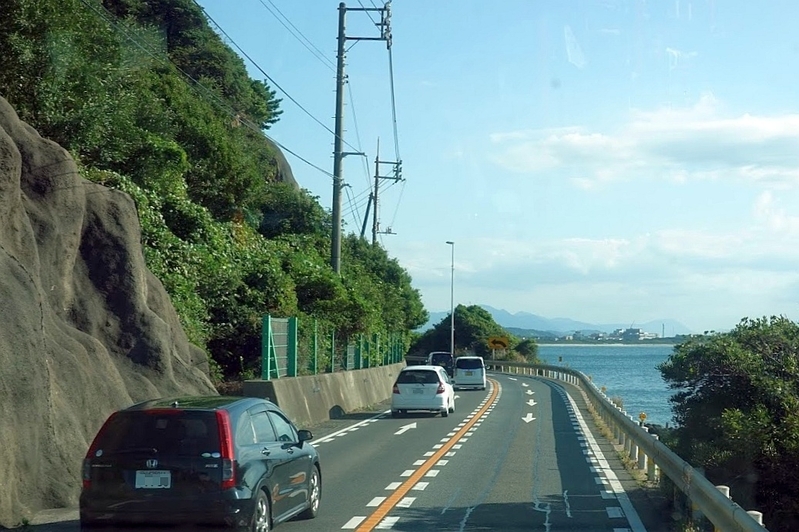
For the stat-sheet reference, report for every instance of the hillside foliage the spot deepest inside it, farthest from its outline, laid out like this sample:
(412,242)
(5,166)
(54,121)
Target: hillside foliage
(737,409)
(149,99)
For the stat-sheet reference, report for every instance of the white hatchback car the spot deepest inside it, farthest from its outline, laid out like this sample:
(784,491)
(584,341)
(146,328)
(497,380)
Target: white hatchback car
(423,388)
(470,372)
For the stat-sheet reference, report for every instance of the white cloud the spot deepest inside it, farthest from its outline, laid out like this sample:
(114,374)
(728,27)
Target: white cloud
(679,273)
(680,144)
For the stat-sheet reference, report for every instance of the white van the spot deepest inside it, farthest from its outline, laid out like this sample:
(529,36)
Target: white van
(470,372)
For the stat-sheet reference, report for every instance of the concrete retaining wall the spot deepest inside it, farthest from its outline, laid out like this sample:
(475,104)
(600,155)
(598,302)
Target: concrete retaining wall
(316,398)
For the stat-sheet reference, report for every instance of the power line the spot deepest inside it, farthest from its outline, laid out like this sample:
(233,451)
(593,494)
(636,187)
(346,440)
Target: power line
(396,210)
(353,207)
(110,20)
(368,14)
(358,134)
(393,104)
(304,40)
(272,81)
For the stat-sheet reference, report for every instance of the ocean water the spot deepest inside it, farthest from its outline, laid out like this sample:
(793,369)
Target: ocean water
(627,371)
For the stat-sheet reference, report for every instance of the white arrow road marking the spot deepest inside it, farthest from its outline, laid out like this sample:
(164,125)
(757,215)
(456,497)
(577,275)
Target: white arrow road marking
(531,402)
(529,392)
(513,378)
(528,418)
(525,384)
(406,428)
(457,397)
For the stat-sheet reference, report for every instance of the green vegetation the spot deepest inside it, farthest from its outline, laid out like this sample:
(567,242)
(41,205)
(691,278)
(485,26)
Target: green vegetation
(737,408)
(149,100)
(473,327)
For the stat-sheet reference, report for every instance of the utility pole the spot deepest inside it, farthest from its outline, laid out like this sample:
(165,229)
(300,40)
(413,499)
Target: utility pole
(396,177)
(338,153)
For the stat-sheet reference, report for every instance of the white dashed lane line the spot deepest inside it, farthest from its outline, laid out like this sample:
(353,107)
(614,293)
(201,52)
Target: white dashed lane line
(389,521)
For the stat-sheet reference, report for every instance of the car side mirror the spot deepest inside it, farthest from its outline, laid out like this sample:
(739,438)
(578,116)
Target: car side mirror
(304,435)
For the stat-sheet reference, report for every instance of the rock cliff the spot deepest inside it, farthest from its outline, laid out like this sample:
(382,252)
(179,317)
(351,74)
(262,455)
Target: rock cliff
(85,328)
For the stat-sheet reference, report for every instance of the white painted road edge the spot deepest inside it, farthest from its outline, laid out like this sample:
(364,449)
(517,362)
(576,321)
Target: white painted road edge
(636,525)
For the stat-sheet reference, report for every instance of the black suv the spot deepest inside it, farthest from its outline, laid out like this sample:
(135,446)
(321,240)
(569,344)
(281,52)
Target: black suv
(443,359)
(232,461)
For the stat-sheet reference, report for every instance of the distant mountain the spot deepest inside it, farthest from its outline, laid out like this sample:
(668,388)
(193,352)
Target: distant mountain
(528,321)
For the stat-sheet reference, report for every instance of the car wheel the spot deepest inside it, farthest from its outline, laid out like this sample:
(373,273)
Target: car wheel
(261,514)
(452,408)
(314,495)
(445,412)
(395,413)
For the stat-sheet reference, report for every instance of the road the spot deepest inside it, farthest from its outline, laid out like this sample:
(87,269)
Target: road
(518,456)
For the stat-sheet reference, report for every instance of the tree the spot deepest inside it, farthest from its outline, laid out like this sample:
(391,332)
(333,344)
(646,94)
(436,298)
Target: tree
(737,409)
(473,327)
(528,349)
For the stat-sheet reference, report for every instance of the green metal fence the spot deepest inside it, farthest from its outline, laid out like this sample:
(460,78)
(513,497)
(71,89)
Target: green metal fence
(290,348)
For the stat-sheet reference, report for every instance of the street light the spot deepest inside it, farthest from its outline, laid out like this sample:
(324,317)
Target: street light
(452,302)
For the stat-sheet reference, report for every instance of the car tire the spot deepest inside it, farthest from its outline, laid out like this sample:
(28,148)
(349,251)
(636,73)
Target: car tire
(445,412)
(261,520)
(315,495)
(452,408)
(395,413)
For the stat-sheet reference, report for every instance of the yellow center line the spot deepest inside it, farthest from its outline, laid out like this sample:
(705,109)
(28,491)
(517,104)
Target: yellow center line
(387,505)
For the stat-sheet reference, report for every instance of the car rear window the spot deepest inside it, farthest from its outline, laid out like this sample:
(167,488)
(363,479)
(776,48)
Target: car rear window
(181,432)
(469,363)
(438,359)
(418,376)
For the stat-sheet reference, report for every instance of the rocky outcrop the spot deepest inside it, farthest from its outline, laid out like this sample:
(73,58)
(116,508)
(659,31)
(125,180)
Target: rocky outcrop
(85,328)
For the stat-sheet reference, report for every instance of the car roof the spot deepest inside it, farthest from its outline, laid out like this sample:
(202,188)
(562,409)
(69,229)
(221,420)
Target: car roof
(204,402)
(469,356)
(439,353)
(422,367)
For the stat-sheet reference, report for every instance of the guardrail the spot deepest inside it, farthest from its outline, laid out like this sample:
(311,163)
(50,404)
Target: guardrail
(644,448)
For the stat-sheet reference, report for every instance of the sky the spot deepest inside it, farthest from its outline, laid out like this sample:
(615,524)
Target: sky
(600,160)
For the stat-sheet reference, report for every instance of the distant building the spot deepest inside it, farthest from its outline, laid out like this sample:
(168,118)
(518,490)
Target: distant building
(631,335)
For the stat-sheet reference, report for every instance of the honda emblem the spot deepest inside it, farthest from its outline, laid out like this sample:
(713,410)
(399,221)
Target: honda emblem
(152,463)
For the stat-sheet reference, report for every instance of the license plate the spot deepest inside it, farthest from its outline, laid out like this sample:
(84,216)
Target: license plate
(469,373)
(154,479)
(418,390)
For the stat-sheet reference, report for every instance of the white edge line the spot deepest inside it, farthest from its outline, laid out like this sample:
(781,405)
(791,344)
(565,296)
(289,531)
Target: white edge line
(332,435)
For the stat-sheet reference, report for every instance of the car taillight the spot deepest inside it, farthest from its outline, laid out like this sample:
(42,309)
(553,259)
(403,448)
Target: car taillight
(87,461)
(396,389)
(441,388)
(226,448)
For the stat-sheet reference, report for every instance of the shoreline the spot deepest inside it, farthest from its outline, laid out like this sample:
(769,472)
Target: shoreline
(604,344)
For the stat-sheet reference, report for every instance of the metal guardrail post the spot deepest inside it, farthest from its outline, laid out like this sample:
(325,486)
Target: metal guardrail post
(266,333)
(315,369)
(642,455)
(651,466)
(359,352)
(291,363)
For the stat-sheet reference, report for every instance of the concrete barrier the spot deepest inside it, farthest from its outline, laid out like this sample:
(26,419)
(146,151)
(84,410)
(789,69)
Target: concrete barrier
(315,398)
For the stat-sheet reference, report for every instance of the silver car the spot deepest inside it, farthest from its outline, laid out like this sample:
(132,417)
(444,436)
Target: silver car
(470,372)
(426,388)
